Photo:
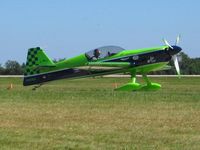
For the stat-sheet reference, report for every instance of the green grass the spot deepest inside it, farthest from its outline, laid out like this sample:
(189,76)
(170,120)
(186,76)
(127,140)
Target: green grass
(88,114)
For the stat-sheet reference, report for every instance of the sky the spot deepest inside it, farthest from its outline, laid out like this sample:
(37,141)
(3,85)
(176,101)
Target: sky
(66,28)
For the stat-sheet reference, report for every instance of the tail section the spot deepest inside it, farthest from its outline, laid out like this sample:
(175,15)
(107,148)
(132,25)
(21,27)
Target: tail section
(38,64)
(41,69)
(36,60)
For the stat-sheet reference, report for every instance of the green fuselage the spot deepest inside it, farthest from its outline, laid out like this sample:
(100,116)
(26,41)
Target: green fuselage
(82,60)
(86,65)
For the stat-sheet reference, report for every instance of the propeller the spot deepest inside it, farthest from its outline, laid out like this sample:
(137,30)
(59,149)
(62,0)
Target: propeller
(178,39)
(166,43)
(176,64)
(175,57)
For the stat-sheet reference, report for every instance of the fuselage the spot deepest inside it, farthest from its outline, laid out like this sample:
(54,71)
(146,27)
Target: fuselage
(118,59)
(137,58)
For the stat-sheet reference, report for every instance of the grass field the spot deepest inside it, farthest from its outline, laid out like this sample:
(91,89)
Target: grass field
(88,114)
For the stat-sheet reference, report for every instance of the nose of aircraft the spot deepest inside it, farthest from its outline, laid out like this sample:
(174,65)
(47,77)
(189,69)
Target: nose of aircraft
(174,50)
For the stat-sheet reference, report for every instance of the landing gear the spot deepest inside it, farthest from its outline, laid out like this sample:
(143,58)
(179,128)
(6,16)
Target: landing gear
(133,86)
(150,86)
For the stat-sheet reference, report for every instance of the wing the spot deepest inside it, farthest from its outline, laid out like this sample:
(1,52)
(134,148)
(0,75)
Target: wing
(166,67)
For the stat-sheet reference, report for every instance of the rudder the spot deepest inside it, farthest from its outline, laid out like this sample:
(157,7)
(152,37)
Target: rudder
(36,59)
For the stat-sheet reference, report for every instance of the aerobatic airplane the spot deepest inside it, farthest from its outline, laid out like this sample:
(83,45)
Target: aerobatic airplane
(102,61)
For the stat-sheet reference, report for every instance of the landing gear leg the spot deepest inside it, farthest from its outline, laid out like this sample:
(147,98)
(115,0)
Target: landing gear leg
(149,85)
(132,86)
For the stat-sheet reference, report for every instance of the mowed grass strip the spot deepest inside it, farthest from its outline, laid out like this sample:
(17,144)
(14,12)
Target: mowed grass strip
(88,114)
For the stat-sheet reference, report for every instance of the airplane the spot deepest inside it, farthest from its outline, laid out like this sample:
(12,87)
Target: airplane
(103,61)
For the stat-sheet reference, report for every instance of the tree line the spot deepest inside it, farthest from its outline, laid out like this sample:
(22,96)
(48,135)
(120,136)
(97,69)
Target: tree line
(188,66)
(12,67)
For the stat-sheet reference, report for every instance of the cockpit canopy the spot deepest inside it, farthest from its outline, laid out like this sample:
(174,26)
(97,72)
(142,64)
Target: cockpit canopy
(103,52)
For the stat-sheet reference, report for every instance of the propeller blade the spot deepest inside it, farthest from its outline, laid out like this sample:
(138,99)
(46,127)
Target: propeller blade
(179,56)
(177,40)
(166,43)
(176,64)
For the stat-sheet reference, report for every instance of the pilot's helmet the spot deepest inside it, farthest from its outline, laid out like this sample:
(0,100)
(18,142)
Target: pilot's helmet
(97,53)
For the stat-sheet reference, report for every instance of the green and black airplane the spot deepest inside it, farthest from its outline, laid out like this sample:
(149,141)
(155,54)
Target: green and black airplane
(102,61)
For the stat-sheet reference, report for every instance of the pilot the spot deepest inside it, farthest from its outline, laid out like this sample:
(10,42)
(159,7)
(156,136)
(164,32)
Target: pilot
(96,54)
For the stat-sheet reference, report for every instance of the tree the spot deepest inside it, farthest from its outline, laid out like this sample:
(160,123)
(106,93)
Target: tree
(23,66)
(2,70)
(13,68)
(58,60)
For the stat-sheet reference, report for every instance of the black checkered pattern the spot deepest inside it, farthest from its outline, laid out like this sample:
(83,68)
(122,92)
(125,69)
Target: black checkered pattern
(32,61)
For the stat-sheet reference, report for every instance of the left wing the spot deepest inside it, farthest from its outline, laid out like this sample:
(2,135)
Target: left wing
(166,67)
